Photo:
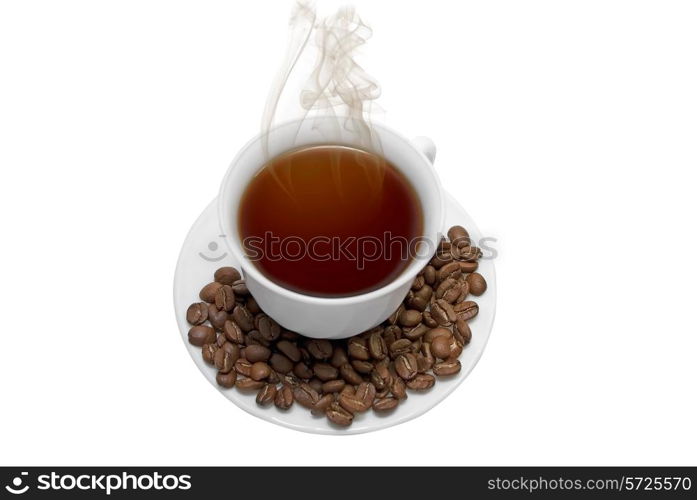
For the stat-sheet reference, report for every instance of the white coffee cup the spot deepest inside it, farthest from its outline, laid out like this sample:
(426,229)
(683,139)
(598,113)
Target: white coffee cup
(321,317)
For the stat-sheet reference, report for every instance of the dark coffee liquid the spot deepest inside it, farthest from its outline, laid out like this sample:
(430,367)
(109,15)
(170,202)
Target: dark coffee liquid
(330,221)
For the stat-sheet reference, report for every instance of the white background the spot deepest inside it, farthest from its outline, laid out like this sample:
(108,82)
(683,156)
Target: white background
(567,129)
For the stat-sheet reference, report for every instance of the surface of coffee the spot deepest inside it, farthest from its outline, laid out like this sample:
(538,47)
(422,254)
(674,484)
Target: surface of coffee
(330,221)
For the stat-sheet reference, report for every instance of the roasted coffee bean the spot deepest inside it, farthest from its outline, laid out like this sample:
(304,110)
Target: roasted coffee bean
(357,349)
(477,283)
(227,275)
(352,403)
(405,365)
(305,395)
(325,371)
(417,303)
(391,334)
(224,361)
(260,371)
(459,236)
(428,320)
(469,267)
(256,338)
(243,318)
(333,386)
(273,378)
(301,370)
(252,305)
(197,313)
(443,313)
(363,367)
(366,393)
(338,415)
(280,363)
(441,258)
(207,293)
(377,347)
(400,346)
(378,380)
(416,333)
(225,298)
(208,352)
(240,289)
(398,388)
(201,334)
(428,355)
(217,317)
(409,317)
(451,270)
(320,348)
(445,368)
(243,367)
(249,384)
(266,395)
(448,290)
(466,310)
(339,357)
(440,347)
(289,349)
(437,332)
(291,379)
(470,254)
(255,353)
(220,340)
(429,275)
(268,328)
(418,282)
(226,380)
(464,292)
(322,405)
(233,332)
(305,355)
(421,382)
(422,364)
(350,375)
(284,397)
(416,345)
(455,348)
(463,330)
(385,404)
(348,389)
(316,384)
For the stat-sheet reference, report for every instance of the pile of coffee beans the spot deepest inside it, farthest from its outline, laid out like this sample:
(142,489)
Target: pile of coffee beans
(420,342)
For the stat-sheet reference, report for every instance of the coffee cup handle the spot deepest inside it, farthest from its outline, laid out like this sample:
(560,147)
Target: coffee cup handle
(426,146)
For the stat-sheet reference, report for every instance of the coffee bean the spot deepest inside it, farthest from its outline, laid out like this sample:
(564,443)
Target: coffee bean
(377,347)
(398,388)
(207,293)
(217,317)
(417,332)
(459,236)
(233,332)
(470,254)
(400,346)
(466,310)
(255,337)
(463,330)
(338,415)
(255,353)
(445,368)
(349,374)
(249,384)
(385,404)
(418,282)
(260,370)
(339,357)
(280,363)
(417,303)
(469,267)
(289,349)
(405,365)
(224,361)
(322,405)
(441,258)
(428,320)
(268,328)
(243,318)
(225,298)
(243,367)
(464,292)
(266,395)
(197,313)
(443,313)
(421,382)
(325,371)
(201,334)
(252,305)
(333,386)
(316,384)
(320,348)
(284,397)
(366,393)
(227,275)
(352,403)
(440,347)
(301,370)
(409,317)
(378,380)
(240,289)
(364,367)
(305,395)
(477,283)
(448,290)
(273,378)
(429,275)
(437,332)
(391,334)
(455,348)
(395,315)
(357,349)
(208,352)
(226,380)
(451,270)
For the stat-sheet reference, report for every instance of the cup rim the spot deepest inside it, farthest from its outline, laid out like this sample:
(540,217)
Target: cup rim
(407,275)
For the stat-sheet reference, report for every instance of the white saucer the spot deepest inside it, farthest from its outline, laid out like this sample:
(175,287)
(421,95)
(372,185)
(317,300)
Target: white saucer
(204,251)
